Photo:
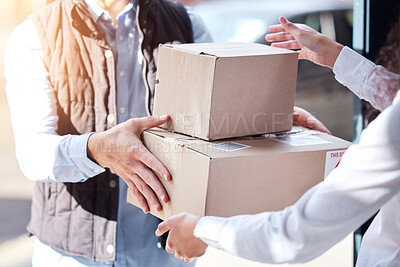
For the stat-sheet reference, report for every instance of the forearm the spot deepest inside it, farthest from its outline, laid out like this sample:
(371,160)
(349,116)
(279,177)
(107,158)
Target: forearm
(54,158)
(380,87)
(42,154)
(287,236)
(330,51)
(368,81)
(367,177)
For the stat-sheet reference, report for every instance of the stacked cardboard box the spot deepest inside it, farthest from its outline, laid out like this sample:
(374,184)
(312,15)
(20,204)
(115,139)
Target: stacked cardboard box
(241,93)
(217,91)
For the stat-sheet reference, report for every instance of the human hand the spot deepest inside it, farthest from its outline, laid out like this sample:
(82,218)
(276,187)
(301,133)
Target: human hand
(181,239)
(121,150)
(302,117)
(314,46)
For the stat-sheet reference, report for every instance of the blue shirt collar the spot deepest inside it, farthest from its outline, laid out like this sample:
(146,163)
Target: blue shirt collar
(98,12)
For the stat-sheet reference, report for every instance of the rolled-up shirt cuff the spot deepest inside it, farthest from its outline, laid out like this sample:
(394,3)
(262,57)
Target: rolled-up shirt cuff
(351,69)
(78,148)
(209,230)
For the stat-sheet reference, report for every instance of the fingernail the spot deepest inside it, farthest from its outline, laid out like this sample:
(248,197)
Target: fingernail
(163,117)
(284,19)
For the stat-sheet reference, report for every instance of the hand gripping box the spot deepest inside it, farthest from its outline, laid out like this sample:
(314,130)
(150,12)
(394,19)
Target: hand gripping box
(223,90)
(241,175)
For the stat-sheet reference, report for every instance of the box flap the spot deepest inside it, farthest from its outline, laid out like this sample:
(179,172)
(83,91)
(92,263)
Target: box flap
(230,49)
(184,89)
(297,140)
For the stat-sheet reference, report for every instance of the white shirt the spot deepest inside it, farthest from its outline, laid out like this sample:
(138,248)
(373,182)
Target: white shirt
(367,179)
(45,156)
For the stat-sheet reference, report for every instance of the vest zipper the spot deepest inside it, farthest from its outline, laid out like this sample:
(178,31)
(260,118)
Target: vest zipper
(144,63)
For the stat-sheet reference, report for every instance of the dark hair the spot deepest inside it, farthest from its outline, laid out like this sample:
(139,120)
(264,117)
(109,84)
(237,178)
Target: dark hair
(388,57)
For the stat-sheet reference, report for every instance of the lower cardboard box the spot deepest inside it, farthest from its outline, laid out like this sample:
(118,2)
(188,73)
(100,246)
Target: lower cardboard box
(244,175)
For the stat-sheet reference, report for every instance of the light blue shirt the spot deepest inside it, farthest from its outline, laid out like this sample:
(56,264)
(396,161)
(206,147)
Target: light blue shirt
(64,158)
(136,242)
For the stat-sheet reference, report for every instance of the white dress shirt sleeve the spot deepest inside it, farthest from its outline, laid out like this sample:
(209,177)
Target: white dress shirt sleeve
(368,81)
(43,155)
(367,177)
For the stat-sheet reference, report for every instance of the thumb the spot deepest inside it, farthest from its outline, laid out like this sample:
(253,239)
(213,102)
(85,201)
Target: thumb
(152,121)
(163,228)
(289,26)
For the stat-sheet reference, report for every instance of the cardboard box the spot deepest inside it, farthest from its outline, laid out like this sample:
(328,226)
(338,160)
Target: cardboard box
(242,175)
(223,90)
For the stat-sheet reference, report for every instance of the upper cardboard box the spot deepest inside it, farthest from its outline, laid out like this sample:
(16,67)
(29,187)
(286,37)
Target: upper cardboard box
(223,90)
(230,49)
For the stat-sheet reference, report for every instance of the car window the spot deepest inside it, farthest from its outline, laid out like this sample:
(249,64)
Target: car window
(344,26)
(338,24)
(311,20)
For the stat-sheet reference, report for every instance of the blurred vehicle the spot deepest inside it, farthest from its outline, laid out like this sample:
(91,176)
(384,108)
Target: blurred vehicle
(317,89)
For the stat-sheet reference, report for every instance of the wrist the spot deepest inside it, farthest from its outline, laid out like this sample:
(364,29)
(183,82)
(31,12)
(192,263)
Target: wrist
(92,148)
(198,228)
(333,53)
(196,219)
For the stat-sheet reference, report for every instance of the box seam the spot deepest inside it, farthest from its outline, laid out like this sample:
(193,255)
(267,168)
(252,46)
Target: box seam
(211,101)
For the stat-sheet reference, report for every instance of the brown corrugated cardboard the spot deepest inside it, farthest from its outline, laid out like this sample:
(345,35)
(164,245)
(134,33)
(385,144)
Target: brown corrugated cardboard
(215,91)
(241,175)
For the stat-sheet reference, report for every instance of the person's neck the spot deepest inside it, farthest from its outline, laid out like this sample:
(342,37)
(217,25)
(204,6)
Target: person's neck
(113,7)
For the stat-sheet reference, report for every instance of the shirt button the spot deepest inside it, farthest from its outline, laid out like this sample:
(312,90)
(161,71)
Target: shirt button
(110,118)
(108,54)
(75,24)
(121,37)
(112,184)
(122,73)
(94,35)
(110,249)
(122,110)
(131,35)
(96,171)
